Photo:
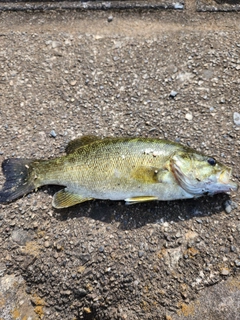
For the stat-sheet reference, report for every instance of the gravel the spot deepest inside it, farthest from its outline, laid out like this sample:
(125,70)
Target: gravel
(102,259)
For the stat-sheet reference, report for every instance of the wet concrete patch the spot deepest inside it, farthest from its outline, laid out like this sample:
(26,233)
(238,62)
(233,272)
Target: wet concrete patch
(90,5)
(218,5)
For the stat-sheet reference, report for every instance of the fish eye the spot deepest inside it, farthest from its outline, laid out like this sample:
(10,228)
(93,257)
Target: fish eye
(211,161)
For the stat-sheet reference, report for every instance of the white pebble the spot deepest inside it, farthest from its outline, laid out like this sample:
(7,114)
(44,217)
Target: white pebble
(189,116)
(236,118)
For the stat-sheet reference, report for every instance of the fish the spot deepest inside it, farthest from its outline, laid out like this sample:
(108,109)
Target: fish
(133,169)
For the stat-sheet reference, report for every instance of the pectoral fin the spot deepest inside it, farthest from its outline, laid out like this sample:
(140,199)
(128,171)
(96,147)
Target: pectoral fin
(145,174)
(134,200)
(79,142)
(65,199)
(149,174)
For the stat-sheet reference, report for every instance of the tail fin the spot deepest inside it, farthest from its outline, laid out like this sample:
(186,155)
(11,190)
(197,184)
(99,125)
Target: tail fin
(18,179)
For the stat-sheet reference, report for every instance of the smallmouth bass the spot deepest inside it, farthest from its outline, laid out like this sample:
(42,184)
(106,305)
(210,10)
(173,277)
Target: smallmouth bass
(130,169)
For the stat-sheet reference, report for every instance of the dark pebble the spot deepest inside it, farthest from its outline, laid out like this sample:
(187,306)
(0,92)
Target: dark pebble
(101,249)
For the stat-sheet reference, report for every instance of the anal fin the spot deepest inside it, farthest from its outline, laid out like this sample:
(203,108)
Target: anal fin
(65,198)
(140,199)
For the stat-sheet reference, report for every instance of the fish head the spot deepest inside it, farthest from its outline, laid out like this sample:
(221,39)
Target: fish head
(199,174)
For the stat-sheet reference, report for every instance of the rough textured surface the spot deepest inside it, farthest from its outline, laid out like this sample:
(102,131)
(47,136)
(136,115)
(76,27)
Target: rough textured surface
(218,5)
(6,5)
(68,74)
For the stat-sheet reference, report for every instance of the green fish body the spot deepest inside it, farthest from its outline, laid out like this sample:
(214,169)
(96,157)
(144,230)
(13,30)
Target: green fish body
(130,169)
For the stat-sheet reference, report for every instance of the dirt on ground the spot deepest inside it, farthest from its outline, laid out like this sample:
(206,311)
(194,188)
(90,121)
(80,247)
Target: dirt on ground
(165,74)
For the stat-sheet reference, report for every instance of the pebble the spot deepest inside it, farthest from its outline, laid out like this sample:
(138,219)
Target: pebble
(189,116)
(225,272)
(55,44)
(35,224)
(20,237)
(55,255)
(173,94)
(73,82)
(233,249)
(46,244)
(237,263)
(80,292)
(53,134)
(236,118)
(110,18)
(140,254)
(101,249)
(229,205)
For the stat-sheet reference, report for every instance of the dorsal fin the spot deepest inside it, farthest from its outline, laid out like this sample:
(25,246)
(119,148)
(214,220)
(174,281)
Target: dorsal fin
(79,142)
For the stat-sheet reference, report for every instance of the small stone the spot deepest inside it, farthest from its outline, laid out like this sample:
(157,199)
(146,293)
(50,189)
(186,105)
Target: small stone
(228,206)
(46,244)
(101,249)
(222,100)
(53,134)
(55,255)
(110,18)
(35,224)
(236,118)
(225,272)
(73,82)
(80,292)
(55,44)
(20,237)
(189,116)
(87,310)
(233,249)
(237,263)
(68,292)
(140,254)
(173,94)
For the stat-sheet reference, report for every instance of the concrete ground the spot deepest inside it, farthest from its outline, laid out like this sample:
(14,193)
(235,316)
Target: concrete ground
(114,73)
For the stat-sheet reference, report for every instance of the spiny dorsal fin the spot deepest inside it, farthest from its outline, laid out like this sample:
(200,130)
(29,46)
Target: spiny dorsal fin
(65,199)
(79,142)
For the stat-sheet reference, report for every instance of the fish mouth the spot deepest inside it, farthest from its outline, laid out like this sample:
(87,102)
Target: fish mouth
(214,184)
(224,180)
